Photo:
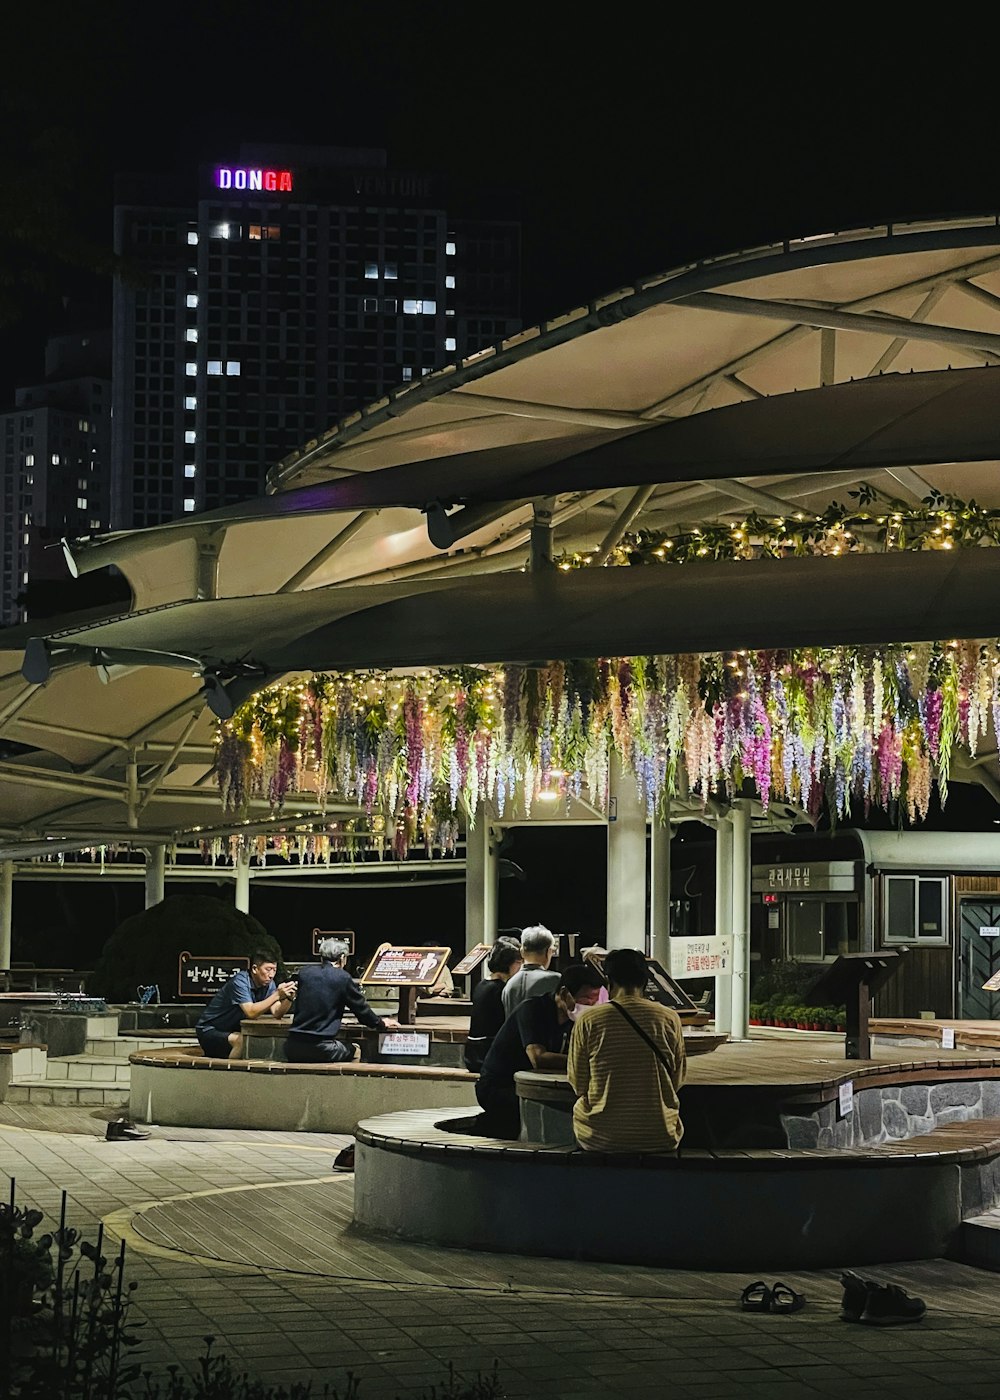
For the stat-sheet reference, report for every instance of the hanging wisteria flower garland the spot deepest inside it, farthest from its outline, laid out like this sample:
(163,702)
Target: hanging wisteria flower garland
(873,726)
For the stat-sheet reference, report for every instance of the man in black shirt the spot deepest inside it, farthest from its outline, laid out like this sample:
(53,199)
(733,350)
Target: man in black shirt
(535,1036)
(487,1003)
(325,990)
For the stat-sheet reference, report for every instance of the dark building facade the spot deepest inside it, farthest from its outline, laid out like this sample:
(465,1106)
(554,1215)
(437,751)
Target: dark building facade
(55,450)
(282,291)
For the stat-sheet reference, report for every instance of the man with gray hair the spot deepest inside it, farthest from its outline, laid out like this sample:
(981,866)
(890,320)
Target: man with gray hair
(537,948)
(325,990)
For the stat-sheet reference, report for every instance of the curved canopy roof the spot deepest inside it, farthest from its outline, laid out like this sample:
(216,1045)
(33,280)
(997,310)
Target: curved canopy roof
(774,380)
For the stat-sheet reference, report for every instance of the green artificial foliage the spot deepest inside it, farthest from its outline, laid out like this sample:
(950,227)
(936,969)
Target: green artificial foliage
(145,948)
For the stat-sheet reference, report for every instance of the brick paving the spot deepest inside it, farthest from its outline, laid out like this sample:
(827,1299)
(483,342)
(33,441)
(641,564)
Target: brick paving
(395,1315)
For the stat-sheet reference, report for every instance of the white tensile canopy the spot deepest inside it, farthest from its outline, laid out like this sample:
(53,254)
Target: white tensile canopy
(776,380)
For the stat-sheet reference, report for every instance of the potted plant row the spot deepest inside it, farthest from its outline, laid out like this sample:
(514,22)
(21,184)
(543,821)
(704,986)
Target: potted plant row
(793,1016)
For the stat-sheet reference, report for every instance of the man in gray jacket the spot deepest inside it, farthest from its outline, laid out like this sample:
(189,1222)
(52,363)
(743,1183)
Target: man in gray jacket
(537,948)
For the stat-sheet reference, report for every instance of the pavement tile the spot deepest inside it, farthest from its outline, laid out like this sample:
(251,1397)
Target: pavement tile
(680,1336)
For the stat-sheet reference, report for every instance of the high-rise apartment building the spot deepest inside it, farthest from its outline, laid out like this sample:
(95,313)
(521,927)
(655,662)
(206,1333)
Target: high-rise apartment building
(289,289)
(54,465)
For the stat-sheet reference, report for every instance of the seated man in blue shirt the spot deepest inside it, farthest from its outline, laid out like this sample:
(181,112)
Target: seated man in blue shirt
(325,990)
(535,1037)
(245,996)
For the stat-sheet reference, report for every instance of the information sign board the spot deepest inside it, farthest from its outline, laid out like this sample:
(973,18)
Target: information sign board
(947,1037)
(404,1043)
(709,956)
(340,935)
(398,965)
(993,984)
(472,959)
(661,986)
(199,975)
(845,1099)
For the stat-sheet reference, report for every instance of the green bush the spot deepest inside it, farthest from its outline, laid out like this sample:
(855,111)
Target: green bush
(784,981)
(145,948)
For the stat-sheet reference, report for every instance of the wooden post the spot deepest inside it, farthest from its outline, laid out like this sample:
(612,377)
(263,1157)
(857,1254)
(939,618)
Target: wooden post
(408,1005)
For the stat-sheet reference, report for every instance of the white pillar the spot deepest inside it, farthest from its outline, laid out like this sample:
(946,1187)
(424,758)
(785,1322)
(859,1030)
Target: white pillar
(659,887)
(156,864)
(6,909)
(242,874)
(740,818)
(724,919)
(626,908)
(482,882)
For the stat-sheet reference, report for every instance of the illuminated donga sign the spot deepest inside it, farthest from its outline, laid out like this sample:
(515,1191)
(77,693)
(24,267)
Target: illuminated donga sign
(229,177)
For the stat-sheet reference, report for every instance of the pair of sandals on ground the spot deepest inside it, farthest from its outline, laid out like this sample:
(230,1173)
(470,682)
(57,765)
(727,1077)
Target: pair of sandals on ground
(864,1300)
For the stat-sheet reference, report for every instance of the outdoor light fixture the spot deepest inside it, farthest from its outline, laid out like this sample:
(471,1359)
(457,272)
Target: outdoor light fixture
(216,697)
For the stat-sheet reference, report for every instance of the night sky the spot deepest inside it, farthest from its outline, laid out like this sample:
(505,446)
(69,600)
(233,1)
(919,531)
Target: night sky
(627,147)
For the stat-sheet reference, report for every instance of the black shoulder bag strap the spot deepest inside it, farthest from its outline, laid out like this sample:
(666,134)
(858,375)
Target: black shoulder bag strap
(648,1039)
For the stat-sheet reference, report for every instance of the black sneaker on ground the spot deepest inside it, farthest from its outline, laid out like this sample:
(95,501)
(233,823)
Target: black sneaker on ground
(344,1160)
(887,1304)
(121,1130)
(855,1296)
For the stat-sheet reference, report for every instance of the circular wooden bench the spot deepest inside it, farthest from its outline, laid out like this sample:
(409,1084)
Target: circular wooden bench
(702,1208)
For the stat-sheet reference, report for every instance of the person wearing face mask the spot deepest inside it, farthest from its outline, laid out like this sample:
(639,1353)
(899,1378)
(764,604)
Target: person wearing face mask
(627,1063)
(534,1037)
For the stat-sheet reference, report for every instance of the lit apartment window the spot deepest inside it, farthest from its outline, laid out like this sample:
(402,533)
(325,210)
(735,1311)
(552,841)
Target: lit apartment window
(55,459)
(273,231)
(232,366)
(256,233)
(191,335)
(407,373)
(190,435)
(95,524)
(26,537)
(81,503)
(29,461)
(391,272)
(190,403)
(371,271)
(192,236)
(189,470)
(449,249)
(450,343)
(413,307)
(24,577)
(191,300)
(223,231)
(190,369)
(449,282)
(215,366)
(81,483)
(189,503)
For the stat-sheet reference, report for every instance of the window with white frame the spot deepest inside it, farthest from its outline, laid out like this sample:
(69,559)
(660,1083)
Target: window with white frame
(915,909)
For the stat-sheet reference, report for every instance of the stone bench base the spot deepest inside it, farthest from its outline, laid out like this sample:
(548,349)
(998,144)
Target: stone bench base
(184,1088)
(752,1210)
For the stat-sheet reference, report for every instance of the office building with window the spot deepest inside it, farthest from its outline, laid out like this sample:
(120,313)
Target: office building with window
(55,449)
(275,292)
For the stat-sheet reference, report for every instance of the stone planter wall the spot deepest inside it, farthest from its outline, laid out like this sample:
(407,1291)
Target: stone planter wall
(892,1114)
